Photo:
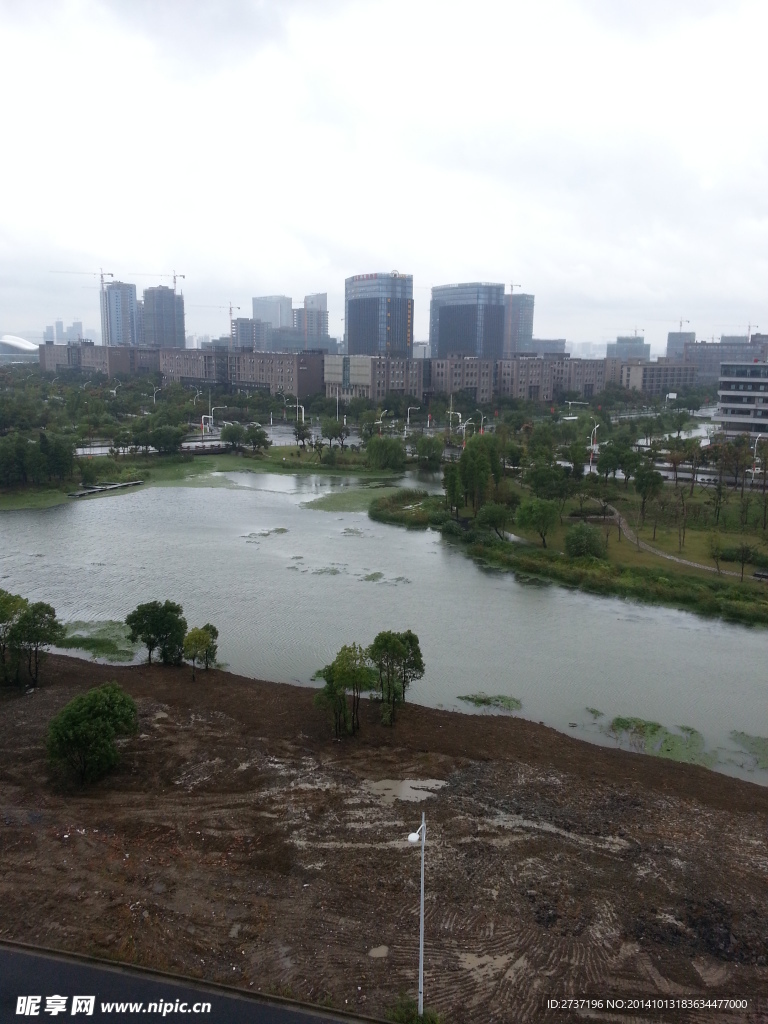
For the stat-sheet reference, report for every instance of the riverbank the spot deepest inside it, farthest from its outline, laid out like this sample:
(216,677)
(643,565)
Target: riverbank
(237,842)
(674,583)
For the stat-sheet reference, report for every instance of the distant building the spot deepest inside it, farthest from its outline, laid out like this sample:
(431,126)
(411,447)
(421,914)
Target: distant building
(295,374)
(163,318)
(467,319)
(378,311)
(255,335)
(734,339)
(657,378)
(86,357)
(312,321)
(48,336)
(421,349)
(373,377)
(547,346)
(676,342)
(633,347)
(742,399)
(276,310)
(707,356)
(118,315)
(518,323)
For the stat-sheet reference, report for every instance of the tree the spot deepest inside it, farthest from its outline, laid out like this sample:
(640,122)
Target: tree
(257,438)
(35,628)
(452,485)
(648,484)
(430,453)
(349,672)
(388,652)
(744,553)
(412,666)
(333,697)
(233,434)
(167,440)
(302,432)
(11,607)
(209,656)
(494,517)
(334,430)
(385,453)
(582,541)
(539,515)
(82,736)
(160,626)
(716,549)
(196,643)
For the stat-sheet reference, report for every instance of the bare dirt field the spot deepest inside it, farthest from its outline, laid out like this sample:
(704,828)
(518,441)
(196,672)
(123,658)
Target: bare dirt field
(238,843)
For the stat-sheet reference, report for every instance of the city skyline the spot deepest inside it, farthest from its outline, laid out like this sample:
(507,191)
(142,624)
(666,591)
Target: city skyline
(600,192)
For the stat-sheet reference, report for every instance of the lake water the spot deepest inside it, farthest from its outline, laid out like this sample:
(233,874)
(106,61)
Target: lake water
(287,584)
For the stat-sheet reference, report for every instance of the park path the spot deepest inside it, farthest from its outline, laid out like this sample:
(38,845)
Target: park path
(644,546)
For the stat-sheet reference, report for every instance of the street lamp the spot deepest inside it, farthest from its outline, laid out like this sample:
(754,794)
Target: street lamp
(213,410)
(483,418)
(414,837)
(154,395)
(592,441)
(379,421)
(413,408)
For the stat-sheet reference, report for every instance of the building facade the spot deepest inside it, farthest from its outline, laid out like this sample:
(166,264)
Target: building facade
(632,347)
(467,319)
(518,323)
(276,310)
(294,374)
(163,318)
(118,315)
(85,357)
(707,356)
(374,377)
(657,378)
(742,399)
(378,311)
(676,342)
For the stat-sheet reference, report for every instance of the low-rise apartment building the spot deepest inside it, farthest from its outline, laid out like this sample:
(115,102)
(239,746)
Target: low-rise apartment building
(742,399)
(658,378)
(299,374)
(110,360)
(373,377)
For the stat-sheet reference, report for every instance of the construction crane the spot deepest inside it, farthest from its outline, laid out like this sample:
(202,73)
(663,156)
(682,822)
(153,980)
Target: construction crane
(101,274)
(230,307)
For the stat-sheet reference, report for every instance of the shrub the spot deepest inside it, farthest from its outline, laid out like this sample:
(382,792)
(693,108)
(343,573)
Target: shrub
(385,453)
(82,736)
(582,541)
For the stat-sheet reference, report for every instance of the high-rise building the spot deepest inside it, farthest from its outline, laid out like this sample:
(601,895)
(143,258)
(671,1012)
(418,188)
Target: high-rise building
(276,310)
(467,319)
(518,323)
(163,318)
(632,347)
(547,346)
(118,314)
(312,320)
(378,312)
(254,335)
(676,341)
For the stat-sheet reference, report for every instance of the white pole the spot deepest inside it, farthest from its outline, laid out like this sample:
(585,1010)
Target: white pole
(421,929)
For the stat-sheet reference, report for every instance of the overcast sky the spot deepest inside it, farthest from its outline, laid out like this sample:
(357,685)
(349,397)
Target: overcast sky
(608,156)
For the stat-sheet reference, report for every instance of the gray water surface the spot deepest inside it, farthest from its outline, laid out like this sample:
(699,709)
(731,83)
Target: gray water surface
(284,602)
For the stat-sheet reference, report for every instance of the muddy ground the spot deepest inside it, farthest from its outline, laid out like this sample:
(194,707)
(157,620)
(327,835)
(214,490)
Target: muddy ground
(238,843)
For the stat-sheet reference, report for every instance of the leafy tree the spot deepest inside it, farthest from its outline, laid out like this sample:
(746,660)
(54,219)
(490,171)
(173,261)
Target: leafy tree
(11,607)
(716,549)
(744,553)
(302,432)
(334,430)
(82,736)
(160,626)
(539,515)
(196,643)
(475,472)
(452,485)
(257,438)
(430,452)
(412,665)
(209,655)
(388,652)
(583,541)
(233,434)
(385,453)
(494,517)
(648,484)
(35,628)
(167,440)
(333,698)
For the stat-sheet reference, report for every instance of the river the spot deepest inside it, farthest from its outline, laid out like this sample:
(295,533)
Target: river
(288,583)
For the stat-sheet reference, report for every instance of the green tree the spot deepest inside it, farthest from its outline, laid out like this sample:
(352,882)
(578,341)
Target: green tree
(387,652)
(11,607)
(494,517)
(233,434)
(82,736)
(257,438)
(160,626)
(648,484)
(302,432)
(744,553)
(333,698)
(167,440)
(385,453)
(452,485)
(716,549)
(209,656)
(583,541)
(539,515)
(412,665)
(430,452)
(196,643)
(35,628)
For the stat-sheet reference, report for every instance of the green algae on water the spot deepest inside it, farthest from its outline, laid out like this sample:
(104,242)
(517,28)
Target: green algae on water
(499,700)
(108,640)
(686,745)
(373,577)
(594,712)
(757,746)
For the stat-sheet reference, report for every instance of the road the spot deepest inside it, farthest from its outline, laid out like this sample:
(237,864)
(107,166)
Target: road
(123,994)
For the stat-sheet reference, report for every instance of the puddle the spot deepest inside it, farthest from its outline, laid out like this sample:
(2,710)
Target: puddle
(378,951)
(412,790)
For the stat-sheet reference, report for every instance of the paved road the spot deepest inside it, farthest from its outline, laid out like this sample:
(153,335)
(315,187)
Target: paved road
(25,974)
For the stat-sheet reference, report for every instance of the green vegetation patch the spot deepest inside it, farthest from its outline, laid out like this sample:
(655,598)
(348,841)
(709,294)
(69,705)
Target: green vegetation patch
(108,640)
(498,700)
(373,577)
(595,713)
(347,499)
(414,509)
(686,745)
(755,745)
